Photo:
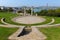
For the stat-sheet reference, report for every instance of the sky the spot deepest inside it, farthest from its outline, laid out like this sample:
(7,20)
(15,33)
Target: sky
(36,3)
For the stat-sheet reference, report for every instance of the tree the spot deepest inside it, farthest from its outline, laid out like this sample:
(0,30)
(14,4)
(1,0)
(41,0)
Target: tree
(51,12)
(42,12)
(28,11)
(57,12)
(0,9)
(10,9)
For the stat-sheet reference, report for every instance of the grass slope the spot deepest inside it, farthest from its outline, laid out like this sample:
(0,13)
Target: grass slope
(6,32)
(7,16)
(57,20)
(52,33)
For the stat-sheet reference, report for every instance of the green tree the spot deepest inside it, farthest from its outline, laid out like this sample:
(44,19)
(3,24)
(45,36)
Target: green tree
(42,12)
(28,11)
(51,12)
(10,9)
(57,11)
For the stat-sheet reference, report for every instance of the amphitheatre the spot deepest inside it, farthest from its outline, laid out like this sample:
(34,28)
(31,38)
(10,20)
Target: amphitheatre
(28,27)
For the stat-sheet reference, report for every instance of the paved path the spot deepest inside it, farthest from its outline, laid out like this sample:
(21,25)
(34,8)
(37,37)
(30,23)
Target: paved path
(29,19)
(34,35)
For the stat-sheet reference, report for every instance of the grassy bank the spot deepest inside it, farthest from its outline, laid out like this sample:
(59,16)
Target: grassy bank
(6,32)
(9,16)
(57,20)
(52,33)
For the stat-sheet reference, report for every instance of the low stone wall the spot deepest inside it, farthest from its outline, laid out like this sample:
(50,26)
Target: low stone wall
(8,25)
(2,20)
(56,25)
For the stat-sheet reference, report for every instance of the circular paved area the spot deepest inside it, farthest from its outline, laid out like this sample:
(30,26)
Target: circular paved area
(29,19)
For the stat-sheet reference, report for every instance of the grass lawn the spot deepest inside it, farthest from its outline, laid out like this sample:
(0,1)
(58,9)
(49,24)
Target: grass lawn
(52,33)
(6,32)
(9,16)
(57,20)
